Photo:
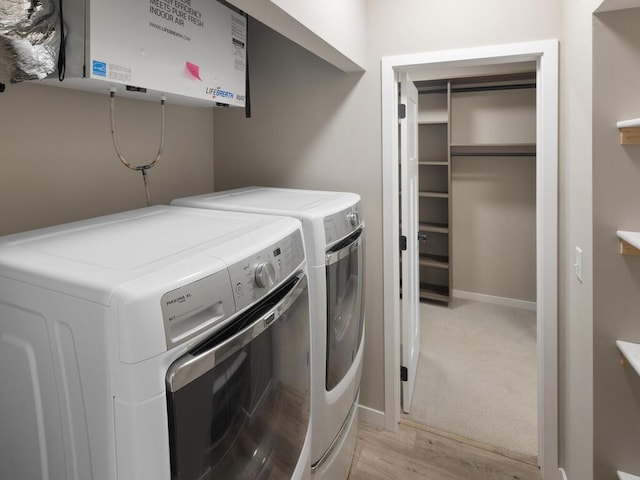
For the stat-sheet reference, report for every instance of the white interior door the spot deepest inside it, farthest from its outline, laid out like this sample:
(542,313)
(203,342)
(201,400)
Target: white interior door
(410,323)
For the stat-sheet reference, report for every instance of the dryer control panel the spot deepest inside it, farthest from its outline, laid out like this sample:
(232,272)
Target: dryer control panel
(341,224)
(255,276)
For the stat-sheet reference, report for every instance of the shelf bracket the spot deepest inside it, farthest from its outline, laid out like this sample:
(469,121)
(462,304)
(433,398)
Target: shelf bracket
(629,131)
(630,136)
(629,242)
(628,249)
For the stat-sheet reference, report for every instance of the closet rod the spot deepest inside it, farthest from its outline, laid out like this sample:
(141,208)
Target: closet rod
(493,154)
(518,86)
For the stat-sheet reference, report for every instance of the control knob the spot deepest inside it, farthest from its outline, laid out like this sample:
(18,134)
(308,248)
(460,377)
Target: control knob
(265,275)
(354,219)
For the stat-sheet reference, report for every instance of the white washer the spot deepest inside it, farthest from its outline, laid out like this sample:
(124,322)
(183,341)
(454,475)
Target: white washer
(333,235)
(162,343)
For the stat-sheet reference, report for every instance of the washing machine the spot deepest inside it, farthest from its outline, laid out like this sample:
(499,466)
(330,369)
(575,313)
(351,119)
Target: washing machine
(164,343)
(333,235)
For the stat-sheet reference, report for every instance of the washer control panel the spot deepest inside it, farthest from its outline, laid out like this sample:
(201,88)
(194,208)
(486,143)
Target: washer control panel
(253,277)
(341,224)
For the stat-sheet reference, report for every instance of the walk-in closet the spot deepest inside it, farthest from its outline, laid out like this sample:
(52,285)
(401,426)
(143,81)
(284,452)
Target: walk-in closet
(477,243)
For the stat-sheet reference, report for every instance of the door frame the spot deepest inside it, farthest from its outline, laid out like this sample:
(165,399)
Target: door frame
(545,54)
(408,185)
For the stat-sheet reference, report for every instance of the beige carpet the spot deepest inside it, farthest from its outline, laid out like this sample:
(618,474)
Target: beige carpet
(477,375)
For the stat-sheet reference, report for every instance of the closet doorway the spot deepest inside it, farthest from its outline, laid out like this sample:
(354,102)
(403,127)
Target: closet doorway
(476,377)
(439,65)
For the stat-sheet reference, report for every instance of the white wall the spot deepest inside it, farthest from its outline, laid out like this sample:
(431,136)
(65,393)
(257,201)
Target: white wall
(409,26)
(57,162)
(575,335)
(314,127)
(338,22)
(334,30)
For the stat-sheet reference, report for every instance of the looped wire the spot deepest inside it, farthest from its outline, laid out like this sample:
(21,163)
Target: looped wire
(141,168)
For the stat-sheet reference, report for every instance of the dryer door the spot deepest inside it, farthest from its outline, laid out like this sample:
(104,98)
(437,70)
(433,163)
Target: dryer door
(238,405)
(344,306)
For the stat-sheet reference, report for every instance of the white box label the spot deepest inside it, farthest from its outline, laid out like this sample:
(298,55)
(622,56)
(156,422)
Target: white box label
(195,48)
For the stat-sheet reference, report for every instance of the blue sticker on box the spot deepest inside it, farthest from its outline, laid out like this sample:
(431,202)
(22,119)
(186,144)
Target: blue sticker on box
(99,68)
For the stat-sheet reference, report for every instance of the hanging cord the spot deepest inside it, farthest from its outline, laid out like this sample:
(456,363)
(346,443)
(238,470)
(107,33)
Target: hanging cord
(142,168)
(247,102)
(62,55)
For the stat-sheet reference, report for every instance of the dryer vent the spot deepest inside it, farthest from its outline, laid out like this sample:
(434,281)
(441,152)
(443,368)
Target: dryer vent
(29,39)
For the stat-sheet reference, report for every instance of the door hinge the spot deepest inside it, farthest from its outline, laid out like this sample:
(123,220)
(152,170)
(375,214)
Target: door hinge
(404,375)
(403,242)
(402,110)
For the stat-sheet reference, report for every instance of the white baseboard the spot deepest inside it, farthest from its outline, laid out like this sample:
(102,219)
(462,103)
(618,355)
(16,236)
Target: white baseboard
(507,302)
(370,416)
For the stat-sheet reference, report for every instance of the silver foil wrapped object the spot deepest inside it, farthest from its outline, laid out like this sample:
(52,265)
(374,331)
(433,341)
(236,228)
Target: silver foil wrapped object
(29,39)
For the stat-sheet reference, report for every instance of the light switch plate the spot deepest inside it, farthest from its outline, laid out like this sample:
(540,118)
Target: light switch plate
(578,264)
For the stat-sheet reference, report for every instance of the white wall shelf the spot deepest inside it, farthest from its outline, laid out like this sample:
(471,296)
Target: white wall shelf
(434,261)
(629,131)
(612,5)
(424,120)
(433,227)
(627,476)
(438,293)
(432,194)
(631,353)
(433,163)
(629,242)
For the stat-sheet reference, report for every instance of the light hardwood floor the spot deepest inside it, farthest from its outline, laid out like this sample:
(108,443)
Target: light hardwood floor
(414,452)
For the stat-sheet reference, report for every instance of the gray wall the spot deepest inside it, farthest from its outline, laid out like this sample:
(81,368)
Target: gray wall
(616,197)
(315,127)
(58,164)
(494,198)
(306,132)
(494,226)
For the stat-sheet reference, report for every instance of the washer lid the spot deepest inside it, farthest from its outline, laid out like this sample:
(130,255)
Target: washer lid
(130,242)
(90,258)
(278,199)
(303,204)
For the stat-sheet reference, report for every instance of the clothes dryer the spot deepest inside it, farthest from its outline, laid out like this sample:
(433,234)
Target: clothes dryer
(164,343)
(333,235)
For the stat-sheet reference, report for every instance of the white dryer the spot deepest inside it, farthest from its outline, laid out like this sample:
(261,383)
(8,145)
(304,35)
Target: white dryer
(333,235)
(164,343)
